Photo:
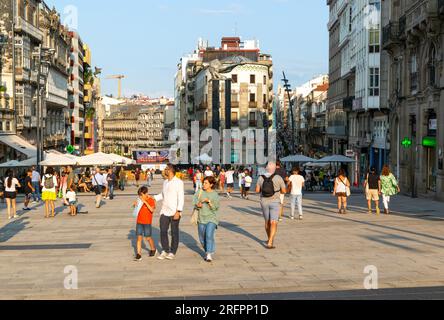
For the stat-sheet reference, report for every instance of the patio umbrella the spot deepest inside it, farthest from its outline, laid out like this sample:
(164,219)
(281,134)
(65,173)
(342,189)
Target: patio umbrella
(96,159)
(336,159)
(121,160)
(58,160)
(297,158)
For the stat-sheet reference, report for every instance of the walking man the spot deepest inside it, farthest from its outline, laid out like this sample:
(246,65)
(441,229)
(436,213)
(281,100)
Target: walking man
(173,197)
(36,181)
(296,185)
(98,183)
(271,186)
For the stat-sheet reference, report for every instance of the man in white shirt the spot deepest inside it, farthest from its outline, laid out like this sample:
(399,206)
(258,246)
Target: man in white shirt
(98,183)
(229,176)
(297,182)
(173,197)
(208,173)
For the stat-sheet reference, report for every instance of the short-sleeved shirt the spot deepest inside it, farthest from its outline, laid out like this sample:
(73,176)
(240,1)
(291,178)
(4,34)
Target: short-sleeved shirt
(248,181)
(373,181)
(297,181)
(71,179)
(209,173)
(35,176)
(27,182)
(229,175)
(14,185)
(278,184)
(145,215)
(71,196)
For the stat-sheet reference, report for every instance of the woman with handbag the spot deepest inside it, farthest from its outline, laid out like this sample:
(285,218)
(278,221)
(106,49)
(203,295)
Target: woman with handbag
(206,204)
(389,187)
(342,191)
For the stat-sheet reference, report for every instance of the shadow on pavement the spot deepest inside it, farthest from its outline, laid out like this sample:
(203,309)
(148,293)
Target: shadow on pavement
(13,228)
(236,229)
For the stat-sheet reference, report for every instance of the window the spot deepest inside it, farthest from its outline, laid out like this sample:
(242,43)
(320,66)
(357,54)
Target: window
(234,117)
(374,42)
(413,73)
(265,98)
(8,126)
(252,79)
(1,125)
(265,79)
(252,116)
(234,78)
(374,82)
(432,66)
(350,20)
(252,97)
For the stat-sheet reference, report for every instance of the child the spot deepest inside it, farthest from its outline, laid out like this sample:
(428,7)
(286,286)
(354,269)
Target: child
(248,182)
(147,207)
(71,197)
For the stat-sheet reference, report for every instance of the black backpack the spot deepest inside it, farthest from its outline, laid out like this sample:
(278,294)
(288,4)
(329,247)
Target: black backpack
(268,187)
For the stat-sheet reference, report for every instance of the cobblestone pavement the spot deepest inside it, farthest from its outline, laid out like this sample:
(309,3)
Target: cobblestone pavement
(324,252)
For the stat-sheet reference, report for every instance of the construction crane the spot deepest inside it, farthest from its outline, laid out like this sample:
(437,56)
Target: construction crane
(119,77)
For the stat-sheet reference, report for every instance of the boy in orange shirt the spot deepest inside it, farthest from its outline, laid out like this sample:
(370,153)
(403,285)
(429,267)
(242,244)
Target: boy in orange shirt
(144,222)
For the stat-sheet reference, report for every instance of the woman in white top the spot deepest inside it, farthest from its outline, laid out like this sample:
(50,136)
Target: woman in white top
(11,184)
(49,195)
(342,191)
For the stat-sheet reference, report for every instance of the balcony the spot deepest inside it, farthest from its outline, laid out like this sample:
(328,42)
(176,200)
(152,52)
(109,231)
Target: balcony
(234,104)
(34,76)
(390,36)
(21,25)
(252,105)
(348,103)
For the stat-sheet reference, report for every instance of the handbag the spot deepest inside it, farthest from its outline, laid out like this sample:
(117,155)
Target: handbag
(195,215)
(347,188)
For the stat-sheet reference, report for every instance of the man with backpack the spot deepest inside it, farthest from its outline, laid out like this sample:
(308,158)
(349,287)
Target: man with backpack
(270,186)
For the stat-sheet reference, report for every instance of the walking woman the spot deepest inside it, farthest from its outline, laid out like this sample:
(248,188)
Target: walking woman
(389,187)
(222,179)
(207,202)
(49,194)
(342,191)
(11,184)
(198,178)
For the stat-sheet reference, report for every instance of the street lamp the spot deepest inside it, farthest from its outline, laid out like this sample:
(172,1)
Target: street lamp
(287,87)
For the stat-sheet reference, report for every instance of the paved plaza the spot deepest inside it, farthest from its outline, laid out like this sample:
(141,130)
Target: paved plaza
(324,253)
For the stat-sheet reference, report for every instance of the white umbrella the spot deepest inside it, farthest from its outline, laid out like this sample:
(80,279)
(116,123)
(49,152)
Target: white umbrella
(336,159)
(19,164)
(58,160)
(297,158)
(96,159)
(10,164)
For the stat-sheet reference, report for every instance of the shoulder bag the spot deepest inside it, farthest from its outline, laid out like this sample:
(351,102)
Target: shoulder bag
(195,215)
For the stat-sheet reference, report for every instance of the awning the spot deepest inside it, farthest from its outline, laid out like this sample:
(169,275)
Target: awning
(19,144)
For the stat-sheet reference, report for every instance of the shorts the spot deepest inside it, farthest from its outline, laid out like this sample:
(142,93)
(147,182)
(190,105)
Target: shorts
(10,195)
(72,203)
(341,194)
(247,189)
(282,198)
(230,185)
(144,230)
(271,210)
(373,195)
(98,190)
(49,196)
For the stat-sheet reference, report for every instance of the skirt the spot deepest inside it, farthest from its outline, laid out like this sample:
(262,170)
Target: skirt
(49,196)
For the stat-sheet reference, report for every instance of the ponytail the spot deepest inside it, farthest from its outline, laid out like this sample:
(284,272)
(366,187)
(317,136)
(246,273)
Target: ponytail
(10,177)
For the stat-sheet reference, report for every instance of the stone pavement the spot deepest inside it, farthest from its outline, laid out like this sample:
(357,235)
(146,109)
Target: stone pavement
(325,252)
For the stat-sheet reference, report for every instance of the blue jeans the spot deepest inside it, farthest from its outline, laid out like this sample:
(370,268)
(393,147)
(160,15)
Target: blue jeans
(111,190)
(36,196)
(206,237)
(296,199)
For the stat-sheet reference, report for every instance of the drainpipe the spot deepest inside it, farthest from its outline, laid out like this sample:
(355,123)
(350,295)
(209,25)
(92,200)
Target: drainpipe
(13,65)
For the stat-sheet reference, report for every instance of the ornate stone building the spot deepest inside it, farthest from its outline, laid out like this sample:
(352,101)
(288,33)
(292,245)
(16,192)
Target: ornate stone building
(413,37)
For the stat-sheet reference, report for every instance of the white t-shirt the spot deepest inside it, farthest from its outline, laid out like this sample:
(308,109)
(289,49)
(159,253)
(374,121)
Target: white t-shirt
(71,196)
(297,181)
(209,173)
(230,177)
(14,185)
(54,179)
(248,181)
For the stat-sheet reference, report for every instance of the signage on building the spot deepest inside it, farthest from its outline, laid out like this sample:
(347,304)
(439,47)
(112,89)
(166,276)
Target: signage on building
(145,157)
(433,124)
(349,153)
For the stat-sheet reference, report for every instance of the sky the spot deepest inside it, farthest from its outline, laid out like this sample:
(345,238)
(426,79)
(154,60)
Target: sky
(145,39)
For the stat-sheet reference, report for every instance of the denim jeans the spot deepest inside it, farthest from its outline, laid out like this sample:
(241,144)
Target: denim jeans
(36,196)
(206,237)
(111,190)
(296,199)
(198,186)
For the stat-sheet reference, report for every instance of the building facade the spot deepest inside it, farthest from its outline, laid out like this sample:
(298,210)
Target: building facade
(413,39)
(230,87)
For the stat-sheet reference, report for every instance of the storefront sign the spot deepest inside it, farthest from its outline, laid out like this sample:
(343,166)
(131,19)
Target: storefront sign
(429,142)
(145,157)
(349,153)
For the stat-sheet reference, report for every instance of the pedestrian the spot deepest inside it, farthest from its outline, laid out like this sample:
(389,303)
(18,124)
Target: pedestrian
(173,197)
(10,194)
(28,189)
(70,182)
(296,184)
(280,171)
(271,186)
(36,182)
(222,179)
(341,190)
(207,202)
(111,180)
(208,172)
(229,177)
(49,194)
(2,189)
(64,185)
(241,177)
(71,198)
(198,179)
(122,178)
(145,207)
(247,185)
(372,186)
(98,183)
(149,178)
(389,187)
(137,176)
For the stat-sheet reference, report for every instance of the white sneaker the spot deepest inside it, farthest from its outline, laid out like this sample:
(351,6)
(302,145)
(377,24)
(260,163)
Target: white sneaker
(171,256)
(301,218)
(292,218)
(162,256)
(209,258)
